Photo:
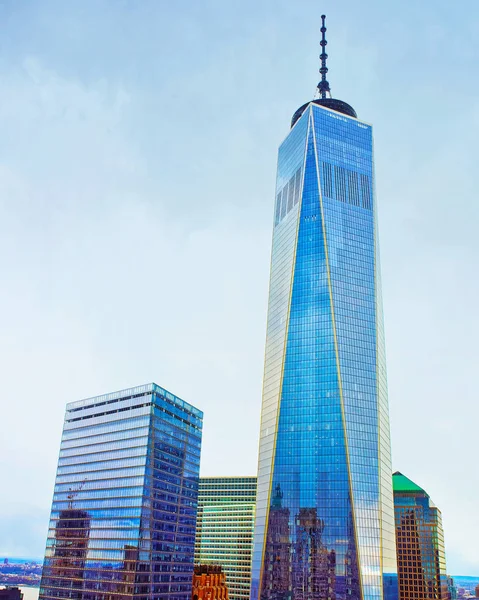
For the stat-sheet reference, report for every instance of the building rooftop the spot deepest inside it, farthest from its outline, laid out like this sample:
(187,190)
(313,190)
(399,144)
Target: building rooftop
(402,484)
(149,388)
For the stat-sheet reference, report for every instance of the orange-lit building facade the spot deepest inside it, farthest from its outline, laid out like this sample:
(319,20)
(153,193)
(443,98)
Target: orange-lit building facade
(209,583)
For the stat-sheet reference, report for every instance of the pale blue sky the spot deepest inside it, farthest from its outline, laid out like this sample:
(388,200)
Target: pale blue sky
(137,170)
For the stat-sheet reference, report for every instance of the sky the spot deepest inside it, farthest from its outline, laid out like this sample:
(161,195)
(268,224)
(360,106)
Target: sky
(138,151)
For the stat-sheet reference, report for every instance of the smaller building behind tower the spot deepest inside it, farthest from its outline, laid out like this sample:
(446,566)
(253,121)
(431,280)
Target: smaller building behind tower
(224,529)
(420,543)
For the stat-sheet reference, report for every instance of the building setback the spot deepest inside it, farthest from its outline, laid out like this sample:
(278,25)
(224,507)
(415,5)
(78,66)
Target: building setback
(324,518)
(124,506)
(420,543)
(224,535)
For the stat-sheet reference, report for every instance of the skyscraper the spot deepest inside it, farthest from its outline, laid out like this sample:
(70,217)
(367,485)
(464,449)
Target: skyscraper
(324,518)
(124,508)
(224,532)
(420,543)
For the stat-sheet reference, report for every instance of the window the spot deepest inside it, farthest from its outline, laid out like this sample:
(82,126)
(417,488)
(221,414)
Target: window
(327,183)
(291,193)
(285,200)
(353,189)
(366,191)
(277,213)
(340,181)
(297,189)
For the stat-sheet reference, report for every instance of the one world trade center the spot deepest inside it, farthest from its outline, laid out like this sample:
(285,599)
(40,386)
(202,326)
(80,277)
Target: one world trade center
(325,520)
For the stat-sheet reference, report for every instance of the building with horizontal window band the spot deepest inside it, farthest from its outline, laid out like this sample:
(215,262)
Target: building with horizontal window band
(123,516)
(224,534)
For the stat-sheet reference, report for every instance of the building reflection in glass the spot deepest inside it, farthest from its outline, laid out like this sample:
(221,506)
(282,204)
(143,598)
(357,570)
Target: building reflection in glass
(277,560)
(128,572)
(123,516)
(66,568)
(314,572)
(299,563)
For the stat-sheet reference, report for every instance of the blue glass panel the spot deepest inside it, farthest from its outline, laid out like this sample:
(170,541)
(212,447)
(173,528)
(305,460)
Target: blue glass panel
(324,524)
(124,509)
(351,245)
(310,540)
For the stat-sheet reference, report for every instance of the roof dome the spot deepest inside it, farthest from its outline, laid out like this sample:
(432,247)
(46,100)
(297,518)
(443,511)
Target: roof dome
(332,103)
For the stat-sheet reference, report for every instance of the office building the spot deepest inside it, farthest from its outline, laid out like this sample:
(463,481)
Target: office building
(420,543)
(224,534)
(324,517)
(124,506)
(209,583)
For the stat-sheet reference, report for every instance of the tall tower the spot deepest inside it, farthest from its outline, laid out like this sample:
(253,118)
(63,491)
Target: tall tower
(324,438)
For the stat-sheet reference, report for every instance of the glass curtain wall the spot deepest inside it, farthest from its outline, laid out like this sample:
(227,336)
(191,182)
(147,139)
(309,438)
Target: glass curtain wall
(325,523)
(124,507)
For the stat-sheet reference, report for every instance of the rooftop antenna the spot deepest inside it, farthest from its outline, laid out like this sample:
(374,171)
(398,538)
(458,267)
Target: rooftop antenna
(322,95)
(323,85)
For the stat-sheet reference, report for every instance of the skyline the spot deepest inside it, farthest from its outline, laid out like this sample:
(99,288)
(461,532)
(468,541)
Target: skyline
(91,185)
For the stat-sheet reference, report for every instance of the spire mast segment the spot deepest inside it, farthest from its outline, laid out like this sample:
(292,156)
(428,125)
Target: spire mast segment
(323,85)
(322,96)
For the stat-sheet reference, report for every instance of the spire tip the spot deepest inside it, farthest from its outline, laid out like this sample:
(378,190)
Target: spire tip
(323,85)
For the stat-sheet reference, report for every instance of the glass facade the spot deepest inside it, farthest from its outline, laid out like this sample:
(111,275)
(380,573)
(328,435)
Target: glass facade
(420,544)
(224,534)
(325,520)
(124,507)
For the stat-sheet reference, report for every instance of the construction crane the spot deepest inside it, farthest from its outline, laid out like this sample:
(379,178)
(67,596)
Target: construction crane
(74,492)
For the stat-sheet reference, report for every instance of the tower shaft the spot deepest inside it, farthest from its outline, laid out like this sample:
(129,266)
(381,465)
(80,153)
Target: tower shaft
(324,525)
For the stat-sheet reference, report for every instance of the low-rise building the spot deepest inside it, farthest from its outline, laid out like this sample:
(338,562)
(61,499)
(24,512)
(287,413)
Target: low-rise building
(209,583)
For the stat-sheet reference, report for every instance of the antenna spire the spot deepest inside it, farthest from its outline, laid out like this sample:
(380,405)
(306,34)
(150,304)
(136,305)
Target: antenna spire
(323,85)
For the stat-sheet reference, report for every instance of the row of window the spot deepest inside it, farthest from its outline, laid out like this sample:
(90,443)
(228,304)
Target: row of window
(288,197)
(116,439)
(104,402)
(345,185)
(108,412)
